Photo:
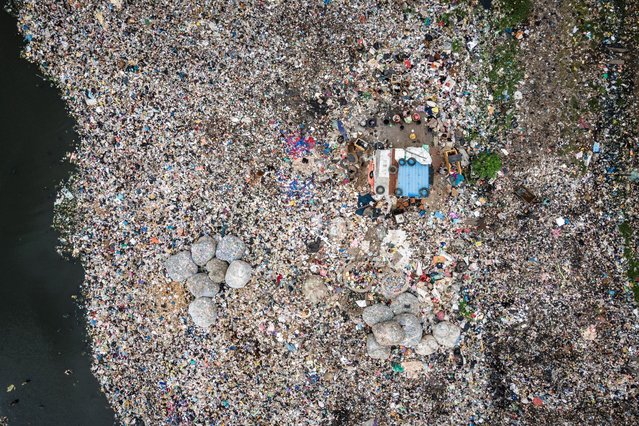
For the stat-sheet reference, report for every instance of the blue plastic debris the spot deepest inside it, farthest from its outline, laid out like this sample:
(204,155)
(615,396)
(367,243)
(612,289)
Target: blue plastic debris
(342,131)
(596,147)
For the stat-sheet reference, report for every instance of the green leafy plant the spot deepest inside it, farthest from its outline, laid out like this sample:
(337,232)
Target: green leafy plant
(465,310)
(486,165)
(457,45)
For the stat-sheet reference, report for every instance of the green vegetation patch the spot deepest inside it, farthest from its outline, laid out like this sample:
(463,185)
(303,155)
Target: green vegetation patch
(631,258)
(486,165)
(514,12)
(506,72)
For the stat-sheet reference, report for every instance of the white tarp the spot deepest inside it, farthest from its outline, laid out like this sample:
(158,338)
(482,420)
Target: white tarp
(417,152)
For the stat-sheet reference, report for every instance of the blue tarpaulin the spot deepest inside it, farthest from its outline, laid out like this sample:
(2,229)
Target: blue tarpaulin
(410,179)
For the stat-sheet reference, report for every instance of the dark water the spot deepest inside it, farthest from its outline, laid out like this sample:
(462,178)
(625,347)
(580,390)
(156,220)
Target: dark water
(41,331)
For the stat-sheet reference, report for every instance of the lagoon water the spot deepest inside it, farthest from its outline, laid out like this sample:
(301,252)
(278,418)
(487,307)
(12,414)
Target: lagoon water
(41,329)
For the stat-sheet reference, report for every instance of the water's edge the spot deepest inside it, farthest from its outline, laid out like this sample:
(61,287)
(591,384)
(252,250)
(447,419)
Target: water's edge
(43,331)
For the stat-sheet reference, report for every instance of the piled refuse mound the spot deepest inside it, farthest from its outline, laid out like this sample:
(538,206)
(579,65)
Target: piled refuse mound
(235,274)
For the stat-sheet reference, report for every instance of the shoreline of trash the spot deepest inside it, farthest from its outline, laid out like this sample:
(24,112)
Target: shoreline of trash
(232,124)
